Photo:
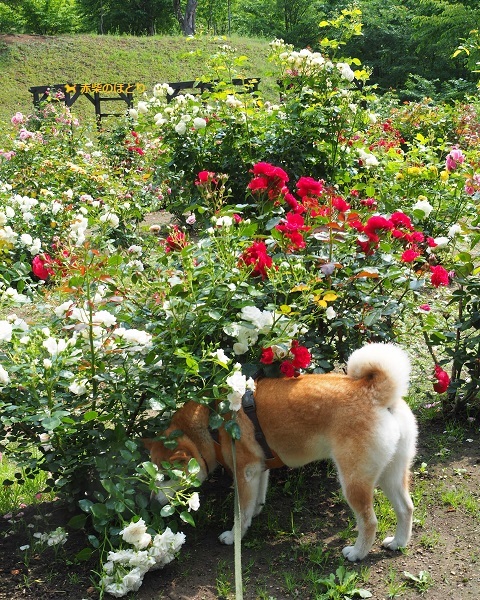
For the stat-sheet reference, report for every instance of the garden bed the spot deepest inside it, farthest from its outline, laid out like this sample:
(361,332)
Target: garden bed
(301,530)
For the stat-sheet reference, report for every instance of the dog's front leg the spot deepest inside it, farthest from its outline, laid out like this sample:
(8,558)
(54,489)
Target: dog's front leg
(252,484)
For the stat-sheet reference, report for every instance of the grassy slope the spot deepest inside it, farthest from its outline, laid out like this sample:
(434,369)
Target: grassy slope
(45,60)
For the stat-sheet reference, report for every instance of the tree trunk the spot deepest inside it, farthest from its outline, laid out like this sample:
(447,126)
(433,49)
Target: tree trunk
(186,19)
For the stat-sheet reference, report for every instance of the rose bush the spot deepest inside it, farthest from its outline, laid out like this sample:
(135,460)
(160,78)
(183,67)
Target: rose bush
(303,230)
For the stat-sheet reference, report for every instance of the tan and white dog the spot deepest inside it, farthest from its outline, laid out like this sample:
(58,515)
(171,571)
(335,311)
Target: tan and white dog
(359,420)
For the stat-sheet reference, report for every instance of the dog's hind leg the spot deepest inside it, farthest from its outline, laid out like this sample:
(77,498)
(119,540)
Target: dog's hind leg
(395,478)
(250,481)
(394,481)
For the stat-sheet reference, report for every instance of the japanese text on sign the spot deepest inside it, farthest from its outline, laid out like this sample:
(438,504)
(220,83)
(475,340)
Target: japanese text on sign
(105,88)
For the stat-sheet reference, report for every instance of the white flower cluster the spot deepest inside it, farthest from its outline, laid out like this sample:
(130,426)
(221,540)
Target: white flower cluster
(368,159)
(125,569)
(238,384)
(54,538)
(305,62)
(7,327)
(255,322)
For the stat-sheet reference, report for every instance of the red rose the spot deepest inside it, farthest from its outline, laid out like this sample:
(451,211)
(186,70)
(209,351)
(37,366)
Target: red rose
(409,255)
(443,380)
(256,256)
(307,186)
(267,357)
(258,183)
(340,204)
(294,204)
(41,266)
(205,176)
(270,171)
(296,241)
(439,276)
(288,369)
(401,219)
(369,203)
(301,356)
(177,240)
(376,223)
(293,222)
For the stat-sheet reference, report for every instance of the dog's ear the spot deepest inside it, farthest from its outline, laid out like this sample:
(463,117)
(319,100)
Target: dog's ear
(158,452)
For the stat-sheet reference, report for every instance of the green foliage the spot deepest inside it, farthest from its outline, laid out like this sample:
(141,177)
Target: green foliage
(10,19)
(150,17)
(49,17)
(343,585)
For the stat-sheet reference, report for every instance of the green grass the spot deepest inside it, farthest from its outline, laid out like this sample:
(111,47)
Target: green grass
(13,497)
(47,60)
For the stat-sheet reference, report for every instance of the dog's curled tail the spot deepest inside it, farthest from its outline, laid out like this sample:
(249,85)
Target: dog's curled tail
(387,365)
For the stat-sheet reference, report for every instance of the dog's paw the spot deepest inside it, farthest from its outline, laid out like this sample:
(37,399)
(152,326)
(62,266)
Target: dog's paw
(391,543)
(351,553)
(226,538)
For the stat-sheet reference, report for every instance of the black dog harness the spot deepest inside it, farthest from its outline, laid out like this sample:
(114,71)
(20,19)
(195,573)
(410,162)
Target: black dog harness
(272,460)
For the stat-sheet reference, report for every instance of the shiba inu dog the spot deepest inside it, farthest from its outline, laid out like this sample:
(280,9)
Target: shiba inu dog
(358,419)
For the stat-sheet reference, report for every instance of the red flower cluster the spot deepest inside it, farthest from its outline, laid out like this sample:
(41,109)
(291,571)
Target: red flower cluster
(291,228)
(391,138)
(309,187)
(256,256)
(399,226)
(177,240)
(443,380)
(42,266)
(134,144)
(269,179)
(299,358)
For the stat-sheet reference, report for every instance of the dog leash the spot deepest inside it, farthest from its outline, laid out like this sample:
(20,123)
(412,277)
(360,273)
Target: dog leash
(237,530)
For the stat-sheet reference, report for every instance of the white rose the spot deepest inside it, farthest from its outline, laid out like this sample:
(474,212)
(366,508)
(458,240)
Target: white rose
(54,346)
(194,502)
(199,123)
(181,128)
(454,230)
(136,534)
(424,206)
(4,377)
(5,331)
(330,313)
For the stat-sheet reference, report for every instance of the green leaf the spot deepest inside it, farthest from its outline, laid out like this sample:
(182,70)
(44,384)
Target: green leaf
(90,415)
(85,505)
(99,511)
(167,511)
(77,522)
(94,541)
(187,517)
(193,466)
(51,423)
(215,315)
(271,223)
(215,421)
(84,555)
